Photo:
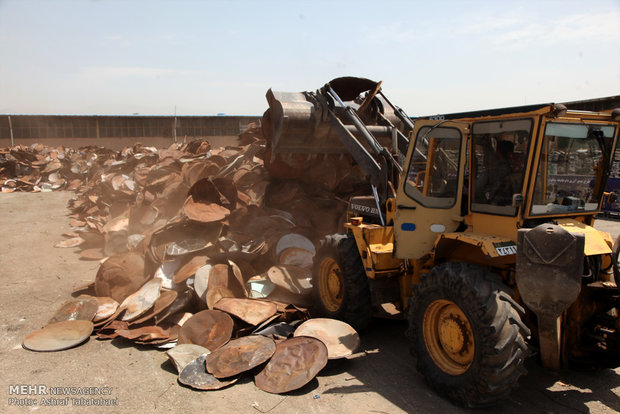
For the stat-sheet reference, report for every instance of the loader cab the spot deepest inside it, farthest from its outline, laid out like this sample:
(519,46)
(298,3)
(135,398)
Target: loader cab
(492,172)
(549,165)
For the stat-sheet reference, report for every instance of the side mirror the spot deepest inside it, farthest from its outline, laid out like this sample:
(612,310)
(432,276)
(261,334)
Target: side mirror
(517,200)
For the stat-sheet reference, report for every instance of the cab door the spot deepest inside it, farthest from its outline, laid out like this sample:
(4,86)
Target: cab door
(428,201)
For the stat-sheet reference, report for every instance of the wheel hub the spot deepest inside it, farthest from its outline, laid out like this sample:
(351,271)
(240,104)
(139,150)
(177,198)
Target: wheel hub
(333,282)
(330,284)
(452,335)
(448,337)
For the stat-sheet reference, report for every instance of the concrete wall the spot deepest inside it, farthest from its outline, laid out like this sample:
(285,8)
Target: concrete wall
(117,132)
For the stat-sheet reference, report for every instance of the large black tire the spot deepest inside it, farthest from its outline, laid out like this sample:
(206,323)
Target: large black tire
(338,265)
(467,335)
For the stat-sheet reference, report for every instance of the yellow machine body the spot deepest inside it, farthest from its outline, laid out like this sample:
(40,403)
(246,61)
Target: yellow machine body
(433,220)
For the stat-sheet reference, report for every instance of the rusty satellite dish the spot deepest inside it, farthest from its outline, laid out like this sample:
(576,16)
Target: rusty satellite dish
(250,311)
(195,375)
(164,301)
(119,223)
(189,269)
(339,337)
(224,281)
(82,308)
(141,301)
(240,355)
(203,203)
(295,362)
(150,334)
(294,240)
(208,328)
(201,280)
(295,256)
(105,323)
(106,307)
(120,276)
(183,354)
(182,301)
(204,212)
(166,272)
(295,279)
(58,336)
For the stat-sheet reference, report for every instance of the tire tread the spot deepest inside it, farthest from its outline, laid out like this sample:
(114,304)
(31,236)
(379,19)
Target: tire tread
(498,330)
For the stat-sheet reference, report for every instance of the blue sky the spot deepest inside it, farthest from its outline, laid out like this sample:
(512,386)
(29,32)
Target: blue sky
(209,57)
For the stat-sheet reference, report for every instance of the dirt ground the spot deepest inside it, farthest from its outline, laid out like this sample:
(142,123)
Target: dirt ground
(37,278)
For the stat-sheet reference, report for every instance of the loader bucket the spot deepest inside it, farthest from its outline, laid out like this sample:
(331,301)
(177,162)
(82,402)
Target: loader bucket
(293,125)
(299,126)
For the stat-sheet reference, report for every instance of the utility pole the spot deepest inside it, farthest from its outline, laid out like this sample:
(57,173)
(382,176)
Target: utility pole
(174,131)
(11,131)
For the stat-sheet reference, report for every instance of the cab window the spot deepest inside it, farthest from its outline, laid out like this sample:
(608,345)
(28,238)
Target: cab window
(572,160)
(432,176)
(499,151)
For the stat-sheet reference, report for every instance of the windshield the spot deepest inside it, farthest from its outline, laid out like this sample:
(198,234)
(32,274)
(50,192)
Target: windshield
(500,151)
(573,158)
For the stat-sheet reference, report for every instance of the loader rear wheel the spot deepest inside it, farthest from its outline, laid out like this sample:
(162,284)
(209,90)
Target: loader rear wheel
(341,289)
(467,335)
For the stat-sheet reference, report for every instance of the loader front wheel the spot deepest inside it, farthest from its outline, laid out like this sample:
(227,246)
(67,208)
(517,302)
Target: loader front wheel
(341,289)
(467,334)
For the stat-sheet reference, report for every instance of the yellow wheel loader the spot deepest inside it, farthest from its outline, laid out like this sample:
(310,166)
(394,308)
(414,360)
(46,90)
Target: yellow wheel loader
(477,227)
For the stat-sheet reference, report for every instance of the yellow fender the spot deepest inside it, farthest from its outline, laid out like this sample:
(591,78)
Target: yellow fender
(375,244)
(597,242)
(478,248)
